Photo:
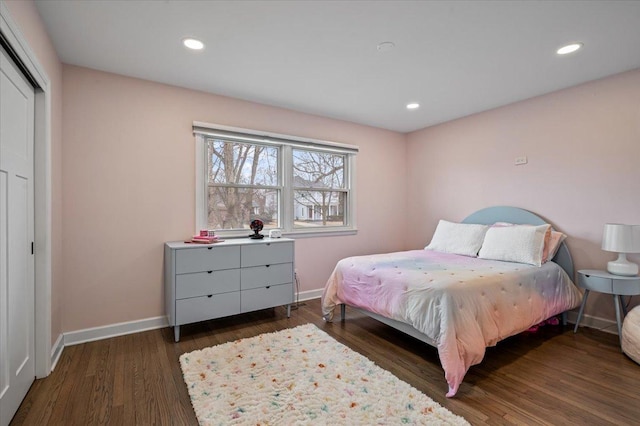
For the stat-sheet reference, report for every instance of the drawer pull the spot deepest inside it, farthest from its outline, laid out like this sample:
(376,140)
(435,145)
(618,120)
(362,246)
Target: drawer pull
(267,287)
(209,248)
(210,295)
(267,265)
(209,272)
(268,244)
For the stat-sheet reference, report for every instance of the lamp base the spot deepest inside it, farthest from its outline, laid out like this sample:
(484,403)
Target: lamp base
(621,266)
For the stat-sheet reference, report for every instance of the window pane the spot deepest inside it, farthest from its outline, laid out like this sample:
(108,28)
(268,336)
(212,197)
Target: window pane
(252,177)
(318,169)
(242,164)
(319,208)
(235,208)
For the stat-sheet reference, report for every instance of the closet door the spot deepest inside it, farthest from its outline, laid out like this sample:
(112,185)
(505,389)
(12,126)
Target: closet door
(17,366)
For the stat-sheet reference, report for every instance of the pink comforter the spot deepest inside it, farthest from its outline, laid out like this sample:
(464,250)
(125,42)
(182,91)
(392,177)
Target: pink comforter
(462,304)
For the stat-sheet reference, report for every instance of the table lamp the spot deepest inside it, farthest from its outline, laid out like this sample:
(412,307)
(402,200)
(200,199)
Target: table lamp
(621,239)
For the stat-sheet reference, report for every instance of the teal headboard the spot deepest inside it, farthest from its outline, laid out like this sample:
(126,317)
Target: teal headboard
(491,215)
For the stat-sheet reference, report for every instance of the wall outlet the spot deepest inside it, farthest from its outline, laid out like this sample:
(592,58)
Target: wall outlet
(521,160)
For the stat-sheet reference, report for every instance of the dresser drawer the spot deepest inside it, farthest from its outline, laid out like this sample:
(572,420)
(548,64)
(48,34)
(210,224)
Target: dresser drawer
(206,283)
(591,282)
(262,276)
(207,259)
(207,307)
(266,297)
(266,254)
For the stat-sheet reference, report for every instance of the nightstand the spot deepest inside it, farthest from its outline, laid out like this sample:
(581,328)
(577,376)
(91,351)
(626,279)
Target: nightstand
(604,282)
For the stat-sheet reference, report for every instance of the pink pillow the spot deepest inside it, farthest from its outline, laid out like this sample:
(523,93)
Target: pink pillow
(554,244)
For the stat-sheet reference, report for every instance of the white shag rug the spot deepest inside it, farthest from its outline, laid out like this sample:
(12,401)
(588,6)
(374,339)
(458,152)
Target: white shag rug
(301,376)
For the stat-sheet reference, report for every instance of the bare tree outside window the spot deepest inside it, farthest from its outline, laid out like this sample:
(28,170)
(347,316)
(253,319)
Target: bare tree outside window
(301,186)
(242,184)
(319,189)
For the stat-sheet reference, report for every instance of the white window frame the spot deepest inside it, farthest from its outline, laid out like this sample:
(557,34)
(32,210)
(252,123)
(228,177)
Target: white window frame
(286,142)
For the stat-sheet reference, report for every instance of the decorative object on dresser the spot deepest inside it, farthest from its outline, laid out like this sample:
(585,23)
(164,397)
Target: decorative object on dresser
(228,278)
(275,233)
(604,282)
(621,239)
(256,226)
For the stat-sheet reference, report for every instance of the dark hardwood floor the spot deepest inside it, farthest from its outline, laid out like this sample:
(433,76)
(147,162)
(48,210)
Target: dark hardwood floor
(550,377)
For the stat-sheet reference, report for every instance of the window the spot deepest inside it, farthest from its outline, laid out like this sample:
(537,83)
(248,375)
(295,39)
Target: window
(301,186)
(243,184)
(319,189)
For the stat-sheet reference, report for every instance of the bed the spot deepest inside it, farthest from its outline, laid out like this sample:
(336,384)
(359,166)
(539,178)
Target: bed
(460,304)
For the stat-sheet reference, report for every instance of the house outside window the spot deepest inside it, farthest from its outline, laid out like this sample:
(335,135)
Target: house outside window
(319,185)
(302,186)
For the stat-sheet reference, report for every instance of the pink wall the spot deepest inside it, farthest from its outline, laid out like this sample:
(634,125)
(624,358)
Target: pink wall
(583,147)
(26,16)
(129,178)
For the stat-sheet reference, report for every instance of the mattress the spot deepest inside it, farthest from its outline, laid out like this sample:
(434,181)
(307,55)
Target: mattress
(461,304)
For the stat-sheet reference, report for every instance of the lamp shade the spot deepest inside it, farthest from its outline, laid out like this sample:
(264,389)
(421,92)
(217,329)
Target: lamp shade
(621,238)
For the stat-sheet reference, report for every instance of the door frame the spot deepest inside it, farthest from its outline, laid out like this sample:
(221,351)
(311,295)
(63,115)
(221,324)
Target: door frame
(28,62)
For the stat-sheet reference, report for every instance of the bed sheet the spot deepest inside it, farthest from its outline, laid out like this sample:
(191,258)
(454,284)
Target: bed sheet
(460,303)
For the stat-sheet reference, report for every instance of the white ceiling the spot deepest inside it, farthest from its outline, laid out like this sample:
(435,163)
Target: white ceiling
(453,57)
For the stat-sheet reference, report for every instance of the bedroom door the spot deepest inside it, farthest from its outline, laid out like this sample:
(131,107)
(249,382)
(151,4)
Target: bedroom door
(17,299)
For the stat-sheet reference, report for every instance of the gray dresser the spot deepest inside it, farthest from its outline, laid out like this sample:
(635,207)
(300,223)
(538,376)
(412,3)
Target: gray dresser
(203,282)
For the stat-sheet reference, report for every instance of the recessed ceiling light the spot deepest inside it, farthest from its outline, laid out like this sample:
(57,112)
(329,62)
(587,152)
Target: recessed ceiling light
(193,44)
(569,48)
(413,105)
(385,46)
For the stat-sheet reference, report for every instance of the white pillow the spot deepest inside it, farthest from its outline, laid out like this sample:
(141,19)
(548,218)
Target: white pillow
(518,243)
(458,238)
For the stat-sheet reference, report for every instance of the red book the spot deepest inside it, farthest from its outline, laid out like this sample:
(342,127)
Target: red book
(205,240)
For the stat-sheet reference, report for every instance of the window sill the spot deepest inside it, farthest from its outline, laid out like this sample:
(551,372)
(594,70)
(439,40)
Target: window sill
(293,234)
(320,233)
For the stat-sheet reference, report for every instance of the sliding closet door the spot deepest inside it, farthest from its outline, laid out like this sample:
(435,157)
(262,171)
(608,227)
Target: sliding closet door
(17,366)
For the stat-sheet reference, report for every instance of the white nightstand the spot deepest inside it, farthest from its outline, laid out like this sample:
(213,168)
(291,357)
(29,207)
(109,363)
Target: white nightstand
(604,282)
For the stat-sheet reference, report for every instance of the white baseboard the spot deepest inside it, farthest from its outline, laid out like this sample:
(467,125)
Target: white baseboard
(602,324)
(120,329)
(113,330)
(56,351)
(310,294)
